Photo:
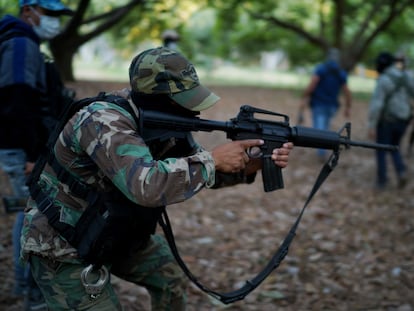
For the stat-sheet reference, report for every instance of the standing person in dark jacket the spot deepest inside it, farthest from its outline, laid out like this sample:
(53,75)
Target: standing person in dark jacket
(23,93)
(322,93)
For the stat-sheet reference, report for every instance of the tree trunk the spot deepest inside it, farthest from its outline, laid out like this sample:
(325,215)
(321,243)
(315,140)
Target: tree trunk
(67,43)
(64,54)
(348,60)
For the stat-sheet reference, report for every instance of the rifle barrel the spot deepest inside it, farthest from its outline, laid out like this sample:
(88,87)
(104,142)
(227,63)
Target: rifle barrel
(369,145)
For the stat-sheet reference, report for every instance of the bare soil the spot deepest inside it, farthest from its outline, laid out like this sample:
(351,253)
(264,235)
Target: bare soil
(353,249)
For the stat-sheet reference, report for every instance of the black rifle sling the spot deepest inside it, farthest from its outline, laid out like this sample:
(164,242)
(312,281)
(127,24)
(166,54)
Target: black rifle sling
(274,262)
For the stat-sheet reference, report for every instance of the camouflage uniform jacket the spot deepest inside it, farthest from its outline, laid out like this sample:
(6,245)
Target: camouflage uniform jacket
(100,145)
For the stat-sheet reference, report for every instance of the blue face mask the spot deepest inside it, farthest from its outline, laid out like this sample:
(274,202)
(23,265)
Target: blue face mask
(48,28)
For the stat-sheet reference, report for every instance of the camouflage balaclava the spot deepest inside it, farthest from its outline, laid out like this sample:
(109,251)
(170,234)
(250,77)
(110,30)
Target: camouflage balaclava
(165,71)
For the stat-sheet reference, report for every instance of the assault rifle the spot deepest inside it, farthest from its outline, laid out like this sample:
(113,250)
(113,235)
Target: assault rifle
(273,133)
(162,126)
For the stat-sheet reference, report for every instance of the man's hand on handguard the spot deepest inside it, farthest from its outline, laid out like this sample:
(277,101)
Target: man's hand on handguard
(232,157)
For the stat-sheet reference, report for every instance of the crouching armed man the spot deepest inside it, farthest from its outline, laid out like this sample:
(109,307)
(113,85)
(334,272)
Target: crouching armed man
(103,158)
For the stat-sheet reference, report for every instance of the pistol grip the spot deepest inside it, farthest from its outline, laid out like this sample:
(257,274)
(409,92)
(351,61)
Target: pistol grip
(271,175)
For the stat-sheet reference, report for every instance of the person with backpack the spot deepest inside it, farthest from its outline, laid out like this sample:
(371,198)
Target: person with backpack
(322,94)
(25,100)
(389,115)
(101,192)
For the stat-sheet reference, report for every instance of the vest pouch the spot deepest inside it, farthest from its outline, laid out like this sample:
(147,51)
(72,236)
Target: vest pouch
(117,228)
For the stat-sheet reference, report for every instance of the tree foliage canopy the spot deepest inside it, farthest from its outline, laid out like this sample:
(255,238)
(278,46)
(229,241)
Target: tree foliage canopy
(305,28)
(239,29)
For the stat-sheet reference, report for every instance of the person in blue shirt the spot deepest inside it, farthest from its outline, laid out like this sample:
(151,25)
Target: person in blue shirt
(322,93)
(24,96)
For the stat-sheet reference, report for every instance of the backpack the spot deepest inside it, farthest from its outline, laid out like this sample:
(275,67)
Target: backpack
(111,226)
(388,112)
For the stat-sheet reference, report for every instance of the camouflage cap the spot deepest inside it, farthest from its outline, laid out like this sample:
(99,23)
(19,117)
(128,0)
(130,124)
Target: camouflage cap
(165,71)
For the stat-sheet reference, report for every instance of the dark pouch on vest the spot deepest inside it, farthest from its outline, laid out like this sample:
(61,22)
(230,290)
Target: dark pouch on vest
(117,227)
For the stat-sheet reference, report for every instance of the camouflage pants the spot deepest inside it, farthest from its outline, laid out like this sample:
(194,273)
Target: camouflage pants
(154,268)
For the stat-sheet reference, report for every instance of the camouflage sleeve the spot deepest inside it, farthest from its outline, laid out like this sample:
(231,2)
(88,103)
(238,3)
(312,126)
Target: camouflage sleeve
(108,134)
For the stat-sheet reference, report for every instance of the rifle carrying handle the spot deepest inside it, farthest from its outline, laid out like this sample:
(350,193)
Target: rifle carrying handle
(271,175)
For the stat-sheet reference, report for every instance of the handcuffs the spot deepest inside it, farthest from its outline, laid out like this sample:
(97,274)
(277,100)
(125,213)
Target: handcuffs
(94,289)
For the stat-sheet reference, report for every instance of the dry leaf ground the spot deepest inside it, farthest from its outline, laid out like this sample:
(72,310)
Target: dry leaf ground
(353,250)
